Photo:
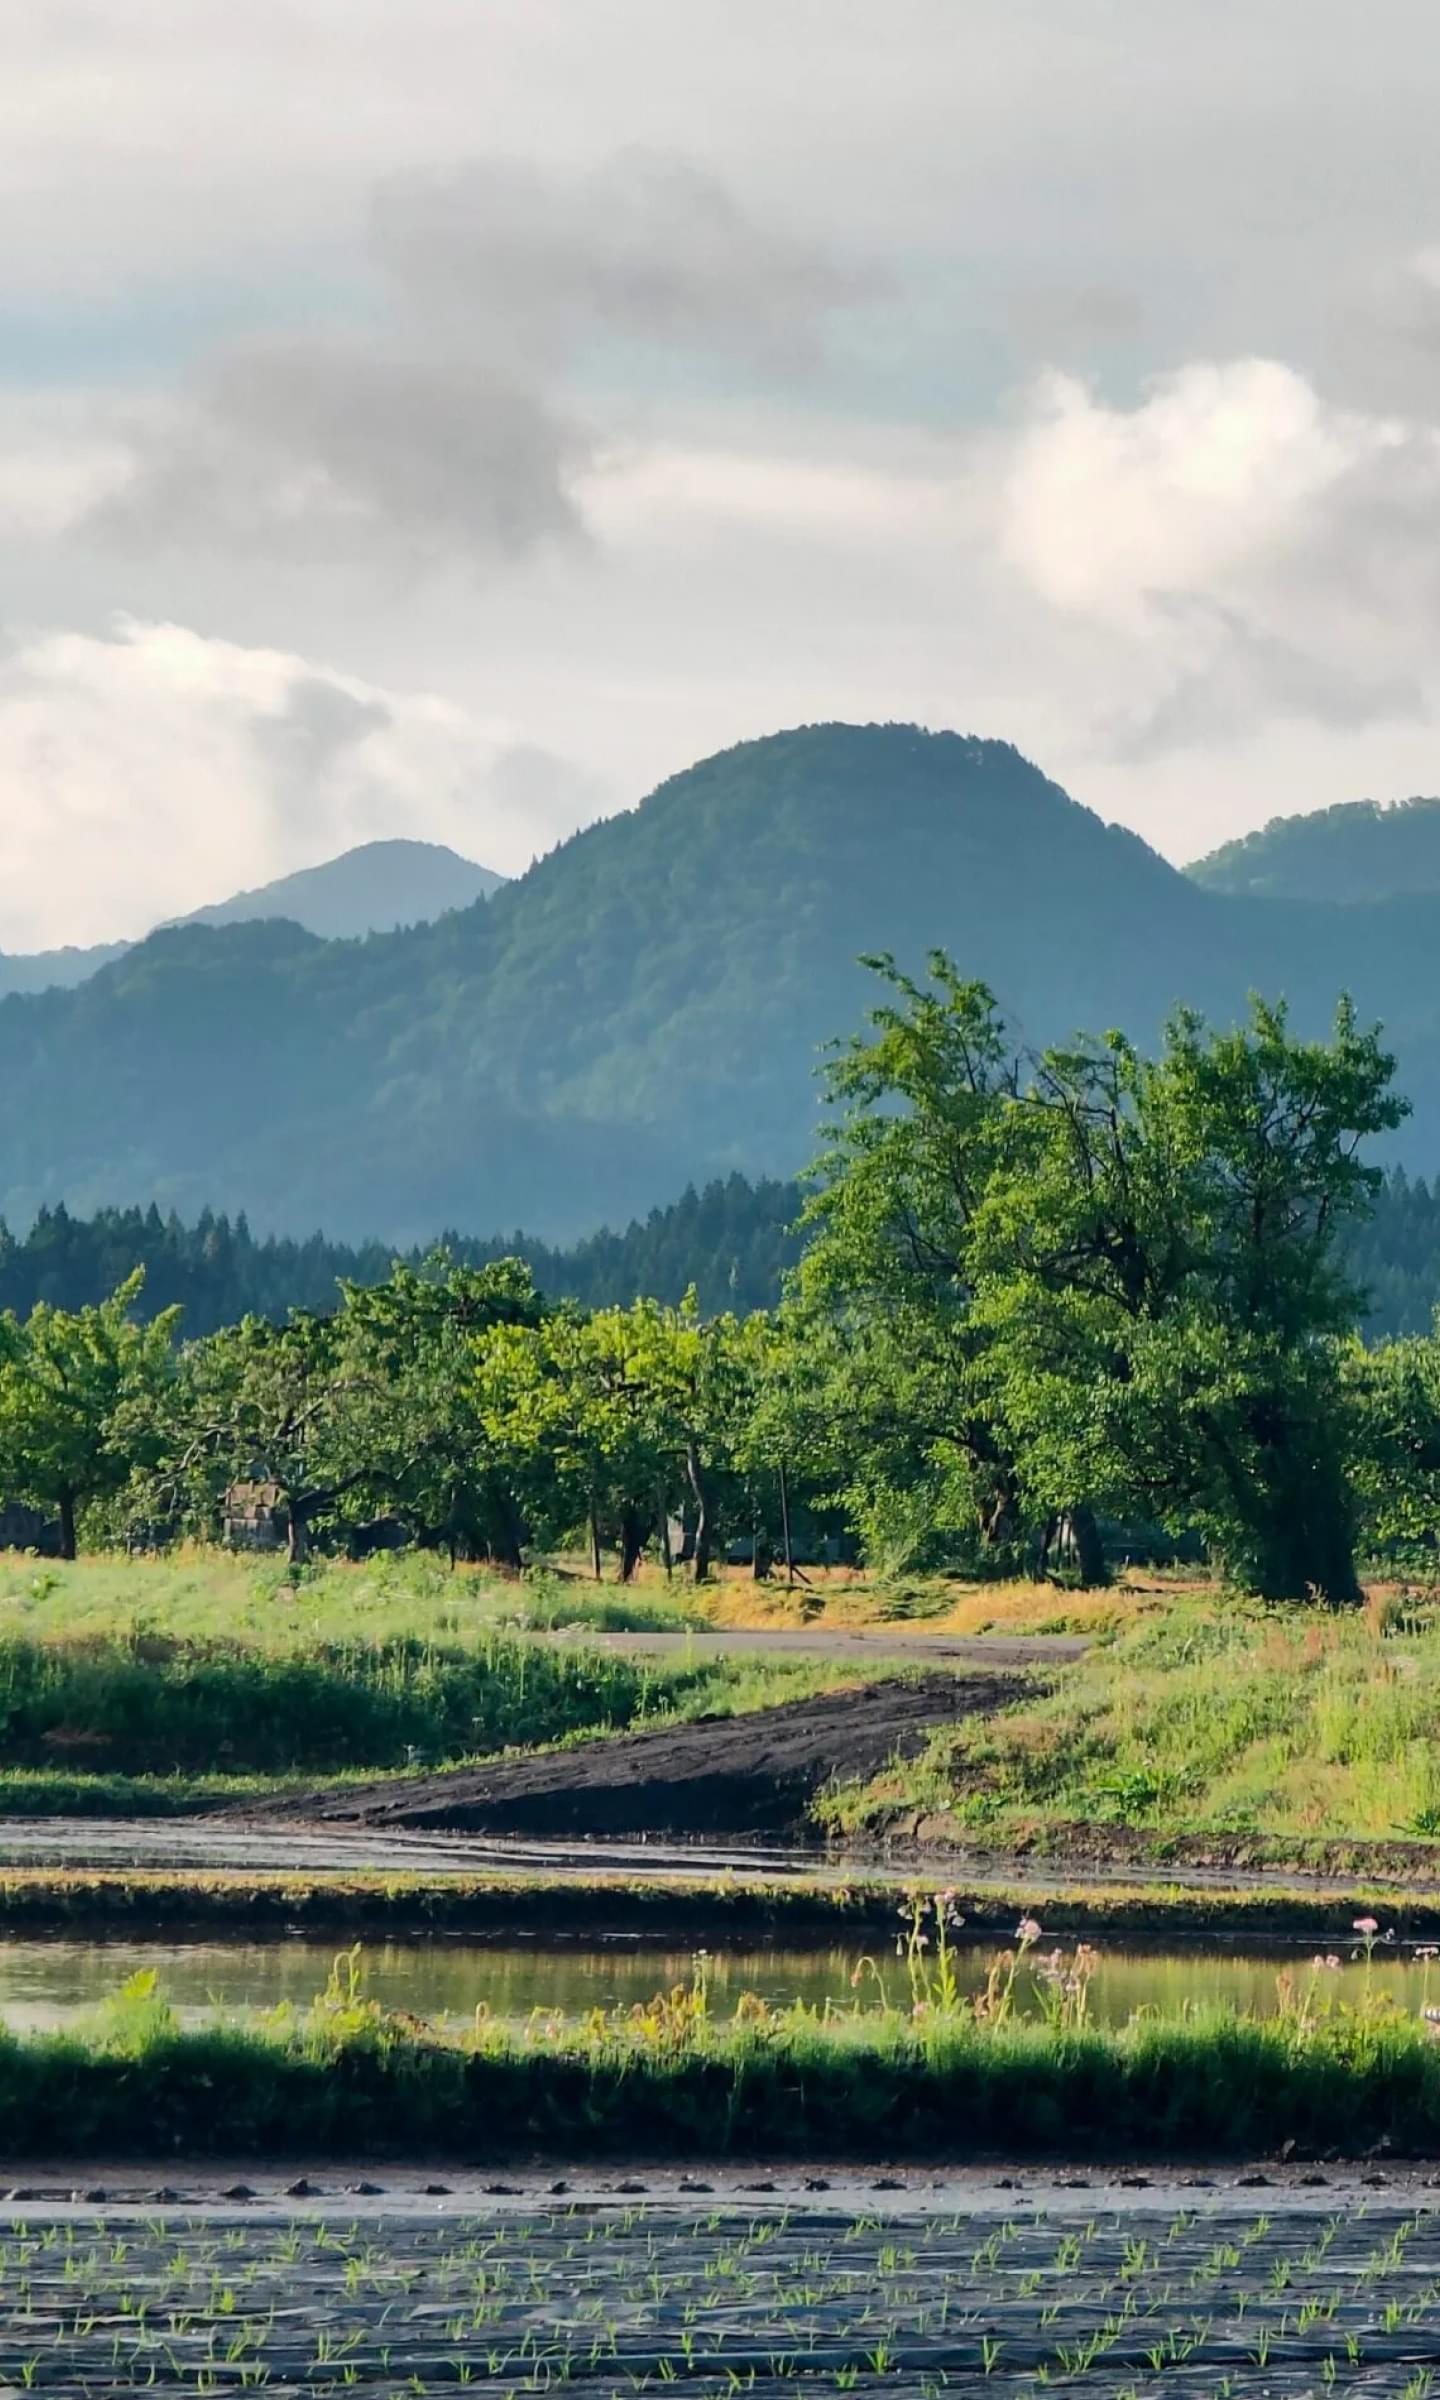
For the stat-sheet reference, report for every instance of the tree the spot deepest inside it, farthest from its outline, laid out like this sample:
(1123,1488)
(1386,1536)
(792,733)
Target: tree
(1132,1265)
(78,1395)
(296,1405)
(886,1286)
(417,1337)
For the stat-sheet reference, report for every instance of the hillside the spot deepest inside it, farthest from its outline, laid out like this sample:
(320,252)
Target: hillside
(1360,850)
(646,1006)
(371,889)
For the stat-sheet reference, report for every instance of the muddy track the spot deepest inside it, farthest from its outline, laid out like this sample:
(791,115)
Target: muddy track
(744,1775)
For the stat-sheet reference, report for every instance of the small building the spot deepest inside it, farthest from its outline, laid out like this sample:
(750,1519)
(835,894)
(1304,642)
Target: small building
(253,1517)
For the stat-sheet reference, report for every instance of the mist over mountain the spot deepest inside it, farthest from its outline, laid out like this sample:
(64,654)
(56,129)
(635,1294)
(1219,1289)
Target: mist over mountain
(1359,850)
(648,1004)
(370,889)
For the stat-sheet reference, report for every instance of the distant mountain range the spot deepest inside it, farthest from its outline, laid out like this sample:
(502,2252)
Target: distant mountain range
(1361,850)
(647,1005)
(371,889)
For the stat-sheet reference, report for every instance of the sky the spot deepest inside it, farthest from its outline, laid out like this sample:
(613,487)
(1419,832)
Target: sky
(450,419)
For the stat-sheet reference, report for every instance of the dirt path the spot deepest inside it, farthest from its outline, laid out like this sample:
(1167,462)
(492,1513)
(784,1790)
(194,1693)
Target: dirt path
(869,1645)
(722,1776)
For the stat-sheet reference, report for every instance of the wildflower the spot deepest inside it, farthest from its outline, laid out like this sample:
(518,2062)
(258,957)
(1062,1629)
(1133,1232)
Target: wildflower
(1365,1925)
(1427,1951)
(1329,1964)
(1029,1929)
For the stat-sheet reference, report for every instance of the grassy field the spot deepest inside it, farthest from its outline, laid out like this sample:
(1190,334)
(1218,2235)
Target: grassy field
(1200,1715)
(144,1687)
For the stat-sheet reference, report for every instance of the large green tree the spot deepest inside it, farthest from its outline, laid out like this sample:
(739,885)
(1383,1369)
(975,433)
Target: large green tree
(79,1393)
(1133,1264)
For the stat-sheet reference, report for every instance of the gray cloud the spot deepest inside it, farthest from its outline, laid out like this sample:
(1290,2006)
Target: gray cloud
(643,246)
(317,449)
(1248,677)
(441,434)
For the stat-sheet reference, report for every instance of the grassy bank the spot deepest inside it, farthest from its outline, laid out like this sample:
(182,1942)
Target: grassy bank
(82,1718)
(1199,1716)
(344,2079)
(715,1910)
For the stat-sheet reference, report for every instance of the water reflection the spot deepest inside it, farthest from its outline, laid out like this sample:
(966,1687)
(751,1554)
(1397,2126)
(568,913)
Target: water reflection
(44,1983)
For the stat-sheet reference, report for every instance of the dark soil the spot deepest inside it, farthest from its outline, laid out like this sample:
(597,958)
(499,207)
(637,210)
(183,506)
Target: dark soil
(752,1774)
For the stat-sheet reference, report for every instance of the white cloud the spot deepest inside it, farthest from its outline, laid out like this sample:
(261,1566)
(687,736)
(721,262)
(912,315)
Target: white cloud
(1242,549)
(155,770)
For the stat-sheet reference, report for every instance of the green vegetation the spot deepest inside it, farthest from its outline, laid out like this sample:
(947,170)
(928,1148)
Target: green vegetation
(645,1006)
(1036,1290)
(731,1243)
(1356,851)
(1206,1720)
(701,1909)
(939,2077)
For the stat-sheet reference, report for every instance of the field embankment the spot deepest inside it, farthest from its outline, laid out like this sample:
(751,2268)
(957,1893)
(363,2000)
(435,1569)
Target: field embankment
(756,1773)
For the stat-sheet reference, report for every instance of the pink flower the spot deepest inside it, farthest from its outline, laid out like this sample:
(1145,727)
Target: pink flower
(1365,1925)
(1029,1929)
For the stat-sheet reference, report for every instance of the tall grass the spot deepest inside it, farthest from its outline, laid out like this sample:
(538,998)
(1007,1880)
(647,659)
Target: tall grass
(154,1706)
(344,2078)
(1207,1716)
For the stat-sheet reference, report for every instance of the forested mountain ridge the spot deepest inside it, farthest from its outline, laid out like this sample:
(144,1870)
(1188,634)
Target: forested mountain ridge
(731,1243)
(370,889)
(647,1005)
(1358,850)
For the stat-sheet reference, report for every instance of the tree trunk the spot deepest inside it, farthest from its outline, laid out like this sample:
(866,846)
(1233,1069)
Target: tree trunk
(633,1530)
(595,1558)
(505,1517)
(695,1476)
(785,1526)
(762,1557)
(298,1540)
(1089,1550)
(662,1519)
(67,1524)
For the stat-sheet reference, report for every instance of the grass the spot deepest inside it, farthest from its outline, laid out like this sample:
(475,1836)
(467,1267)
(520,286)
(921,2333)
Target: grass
(155,1725)
(703,1908)
(196,1595)
(1201,1716)
(345,2079)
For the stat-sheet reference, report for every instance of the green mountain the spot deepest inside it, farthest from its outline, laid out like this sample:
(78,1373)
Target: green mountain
(647,1005)
(371,889)
(1360,850)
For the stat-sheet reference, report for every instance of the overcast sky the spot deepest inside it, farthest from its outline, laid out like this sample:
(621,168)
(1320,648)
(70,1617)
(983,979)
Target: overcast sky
(448,418)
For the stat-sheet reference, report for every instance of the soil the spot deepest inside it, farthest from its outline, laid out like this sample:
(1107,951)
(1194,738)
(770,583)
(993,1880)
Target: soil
(748,1775)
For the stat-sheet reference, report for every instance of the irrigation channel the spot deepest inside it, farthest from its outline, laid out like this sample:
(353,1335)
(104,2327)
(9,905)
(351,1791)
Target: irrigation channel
(1214,2296)
(45,1984)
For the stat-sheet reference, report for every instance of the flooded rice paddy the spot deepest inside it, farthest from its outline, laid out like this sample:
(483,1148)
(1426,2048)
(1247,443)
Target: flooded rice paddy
(45,1984)
(1216,2298)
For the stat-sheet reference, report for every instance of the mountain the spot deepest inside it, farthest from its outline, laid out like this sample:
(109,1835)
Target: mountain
(647,1005)
(1360,850)
(371,889)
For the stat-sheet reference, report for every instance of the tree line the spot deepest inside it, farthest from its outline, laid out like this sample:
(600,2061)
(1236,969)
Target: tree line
(1036,1294)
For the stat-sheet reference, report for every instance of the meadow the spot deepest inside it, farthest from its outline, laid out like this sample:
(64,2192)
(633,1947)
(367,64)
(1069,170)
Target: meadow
(141,1687)
(1196,1714)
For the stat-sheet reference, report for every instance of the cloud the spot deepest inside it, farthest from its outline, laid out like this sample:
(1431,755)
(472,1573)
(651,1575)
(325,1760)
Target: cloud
(1244,549)
(644,246)
(330,449)
(448,431)
(152,771)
